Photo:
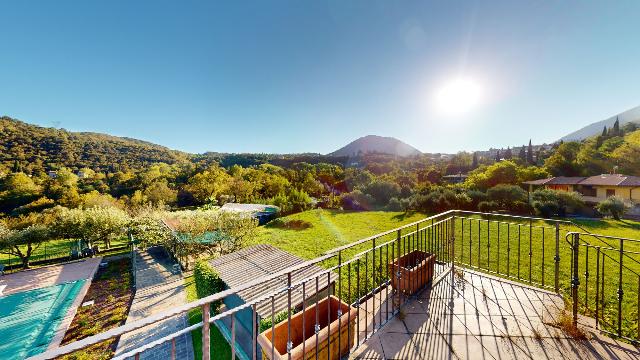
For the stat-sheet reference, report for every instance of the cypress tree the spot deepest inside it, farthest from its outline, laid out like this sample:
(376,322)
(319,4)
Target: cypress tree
(522,154)
(530,153)
(474,163)
(508,154)
(604,131)
(616,127)
(498,155)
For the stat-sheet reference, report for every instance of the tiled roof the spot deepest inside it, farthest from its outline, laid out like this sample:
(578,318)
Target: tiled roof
(602,180)
(257,261)
(612,180)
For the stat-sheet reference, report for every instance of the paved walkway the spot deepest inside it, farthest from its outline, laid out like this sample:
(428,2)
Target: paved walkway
(157,289)
(474,316)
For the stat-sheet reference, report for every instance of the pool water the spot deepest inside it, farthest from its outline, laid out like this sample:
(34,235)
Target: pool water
(29,319)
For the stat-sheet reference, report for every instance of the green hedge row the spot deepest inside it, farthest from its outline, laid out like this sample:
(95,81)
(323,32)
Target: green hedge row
(208,282)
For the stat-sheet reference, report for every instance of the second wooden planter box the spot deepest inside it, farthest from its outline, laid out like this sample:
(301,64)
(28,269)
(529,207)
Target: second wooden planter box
(339,328)
(415,270)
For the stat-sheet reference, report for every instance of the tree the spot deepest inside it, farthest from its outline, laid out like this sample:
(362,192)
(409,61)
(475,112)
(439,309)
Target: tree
(382,191)
(615,131)
(563,160)
(508,154)
(96,224)
(522,154)
(209,232)
(159,192)
(22,237)
(612,206)
(17,189)
(208,184)
(506,197)
(474,162)
(548,203)
(604,131)
(530,154)
(498,155)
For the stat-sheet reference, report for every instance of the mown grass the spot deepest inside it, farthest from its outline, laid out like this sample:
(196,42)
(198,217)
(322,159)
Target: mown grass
(57,249)
(220,349)
(508,250)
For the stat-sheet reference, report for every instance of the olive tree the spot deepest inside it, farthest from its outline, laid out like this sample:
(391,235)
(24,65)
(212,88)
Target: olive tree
(612,206)
(96,224)
(22,239)
(209,232)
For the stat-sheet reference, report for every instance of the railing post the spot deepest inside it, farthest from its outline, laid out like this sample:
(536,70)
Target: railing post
(398,273)
(289,343)
(556,258)
(206,313)
(453,242)
(575,282)
(620,291)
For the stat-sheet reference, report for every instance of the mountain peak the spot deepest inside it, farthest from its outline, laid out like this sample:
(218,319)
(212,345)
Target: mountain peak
(376,144)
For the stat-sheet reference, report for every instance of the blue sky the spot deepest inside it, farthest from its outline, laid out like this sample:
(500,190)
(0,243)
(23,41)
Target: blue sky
(310,76)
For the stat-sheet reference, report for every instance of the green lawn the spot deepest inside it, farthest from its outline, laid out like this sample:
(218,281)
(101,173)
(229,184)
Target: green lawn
(55,249)
(332,228)
(220,349)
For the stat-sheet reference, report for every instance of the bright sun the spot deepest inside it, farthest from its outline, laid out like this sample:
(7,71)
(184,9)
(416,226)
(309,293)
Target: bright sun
(459,96)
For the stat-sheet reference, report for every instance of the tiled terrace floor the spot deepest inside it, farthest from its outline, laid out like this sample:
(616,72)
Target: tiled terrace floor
(476,316)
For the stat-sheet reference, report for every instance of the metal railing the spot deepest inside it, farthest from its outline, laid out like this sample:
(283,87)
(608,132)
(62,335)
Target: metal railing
(363,285)
(615,291)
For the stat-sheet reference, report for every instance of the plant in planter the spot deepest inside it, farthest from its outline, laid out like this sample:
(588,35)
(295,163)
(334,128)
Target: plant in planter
(412,271)
(335,333)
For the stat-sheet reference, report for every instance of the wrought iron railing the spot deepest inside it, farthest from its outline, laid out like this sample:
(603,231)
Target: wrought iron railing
(611,295)
(365,284)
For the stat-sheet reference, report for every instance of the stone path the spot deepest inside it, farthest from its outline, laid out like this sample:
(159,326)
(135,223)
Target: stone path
(476,316)
(157,289)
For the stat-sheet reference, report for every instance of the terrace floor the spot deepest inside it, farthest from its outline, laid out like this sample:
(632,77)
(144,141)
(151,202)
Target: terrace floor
(475,316)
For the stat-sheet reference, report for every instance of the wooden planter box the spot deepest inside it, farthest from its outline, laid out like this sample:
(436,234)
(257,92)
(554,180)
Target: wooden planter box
(416,270)
(345,332)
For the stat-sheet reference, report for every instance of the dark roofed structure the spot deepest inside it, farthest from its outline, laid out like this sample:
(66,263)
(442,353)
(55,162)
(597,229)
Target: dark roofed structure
(258,261)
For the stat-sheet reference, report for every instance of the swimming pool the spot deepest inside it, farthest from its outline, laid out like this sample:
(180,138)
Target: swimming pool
(29,319)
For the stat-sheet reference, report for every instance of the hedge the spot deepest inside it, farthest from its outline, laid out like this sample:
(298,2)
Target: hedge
(208,282)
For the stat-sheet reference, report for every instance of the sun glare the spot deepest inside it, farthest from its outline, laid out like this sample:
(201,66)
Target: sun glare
(458,96)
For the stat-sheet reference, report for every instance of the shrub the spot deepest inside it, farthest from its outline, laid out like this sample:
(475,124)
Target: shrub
(548,203)
(279,317)
(294,224)
(395,205)
(612,206)
(508,197)
(208,282)
(382,191)
(357,200)
(437,199)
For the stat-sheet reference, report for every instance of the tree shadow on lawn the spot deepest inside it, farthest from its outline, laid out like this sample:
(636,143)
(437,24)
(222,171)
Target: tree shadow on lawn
(603,224)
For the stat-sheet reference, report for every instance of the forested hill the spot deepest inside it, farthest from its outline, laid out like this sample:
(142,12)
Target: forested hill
(34,148)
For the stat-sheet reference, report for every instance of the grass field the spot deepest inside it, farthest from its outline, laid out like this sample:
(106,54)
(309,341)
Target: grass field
(220,349)
(505,251)
(54,249)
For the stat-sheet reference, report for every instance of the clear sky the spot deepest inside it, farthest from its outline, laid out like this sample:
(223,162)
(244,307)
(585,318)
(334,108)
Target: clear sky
(310,76)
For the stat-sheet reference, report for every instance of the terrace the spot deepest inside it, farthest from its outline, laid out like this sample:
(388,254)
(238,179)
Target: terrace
(501,286)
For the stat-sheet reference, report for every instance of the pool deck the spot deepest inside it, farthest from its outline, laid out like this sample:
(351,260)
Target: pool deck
(476,316)
(49,275)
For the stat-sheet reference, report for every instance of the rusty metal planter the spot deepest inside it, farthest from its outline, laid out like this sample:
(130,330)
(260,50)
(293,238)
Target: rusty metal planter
(411,272)
(340,333)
